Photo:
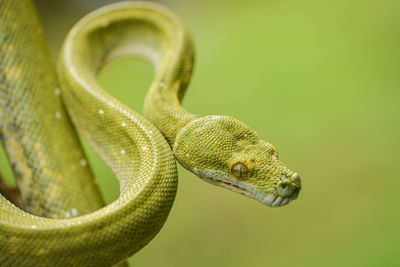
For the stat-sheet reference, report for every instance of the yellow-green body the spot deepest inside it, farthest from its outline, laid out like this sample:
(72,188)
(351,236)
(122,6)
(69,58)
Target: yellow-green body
(52,172)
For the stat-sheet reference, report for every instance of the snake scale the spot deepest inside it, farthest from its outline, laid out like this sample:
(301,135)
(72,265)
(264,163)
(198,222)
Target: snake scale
(63,220)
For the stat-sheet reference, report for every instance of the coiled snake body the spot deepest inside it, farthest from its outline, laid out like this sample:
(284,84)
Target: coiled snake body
(64,222)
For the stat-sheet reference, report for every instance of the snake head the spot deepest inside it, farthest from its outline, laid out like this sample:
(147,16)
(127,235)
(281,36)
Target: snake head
(224,151)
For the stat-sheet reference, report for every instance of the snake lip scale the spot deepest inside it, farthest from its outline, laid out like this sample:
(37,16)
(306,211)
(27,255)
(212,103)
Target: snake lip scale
(271,199)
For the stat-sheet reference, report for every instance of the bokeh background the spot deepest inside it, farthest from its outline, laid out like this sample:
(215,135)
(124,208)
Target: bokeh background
(319,80)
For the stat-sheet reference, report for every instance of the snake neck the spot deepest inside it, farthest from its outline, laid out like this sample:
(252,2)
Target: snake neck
(163,101)
(167,115)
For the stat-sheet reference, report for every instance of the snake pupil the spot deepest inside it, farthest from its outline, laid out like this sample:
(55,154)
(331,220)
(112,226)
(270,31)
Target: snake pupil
(239,170)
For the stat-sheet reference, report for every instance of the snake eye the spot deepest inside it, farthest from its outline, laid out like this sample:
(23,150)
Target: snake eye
(239,170)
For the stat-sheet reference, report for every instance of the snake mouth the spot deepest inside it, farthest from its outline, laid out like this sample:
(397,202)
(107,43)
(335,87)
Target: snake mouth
(271,199)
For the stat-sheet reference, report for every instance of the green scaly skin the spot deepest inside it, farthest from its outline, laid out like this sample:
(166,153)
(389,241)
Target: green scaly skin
(219,149)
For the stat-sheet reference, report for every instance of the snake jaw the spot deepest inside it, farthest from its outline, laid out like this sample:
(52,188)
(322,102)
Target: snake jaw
(271,199)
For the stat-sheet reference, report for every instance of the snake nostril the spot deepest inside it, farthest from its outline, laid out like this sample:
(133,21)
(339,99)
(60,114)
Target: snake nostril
(285,189)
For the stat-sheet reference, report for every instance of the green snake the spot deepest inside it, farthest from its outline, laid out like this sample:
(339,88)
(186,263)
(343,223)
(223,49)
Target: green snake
(63,221)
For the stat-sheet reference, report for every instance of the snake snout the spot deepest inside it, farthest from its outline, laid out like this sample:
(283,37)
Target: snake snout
(296,180)
(289,187)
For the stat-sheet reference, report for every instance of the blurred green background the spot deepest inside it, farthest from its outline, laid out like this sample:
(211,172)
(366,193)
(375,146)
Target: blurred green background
(319,80)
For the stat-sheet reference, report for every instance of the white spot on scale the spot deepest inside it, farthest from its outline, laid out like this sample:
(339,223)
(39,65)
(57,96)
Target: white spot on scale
(67,214)
(144,148)
(83,162)
(58,115)
(57,91)
(123,124)
(101,111)
(33,226)
(122,151)
(74,212)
